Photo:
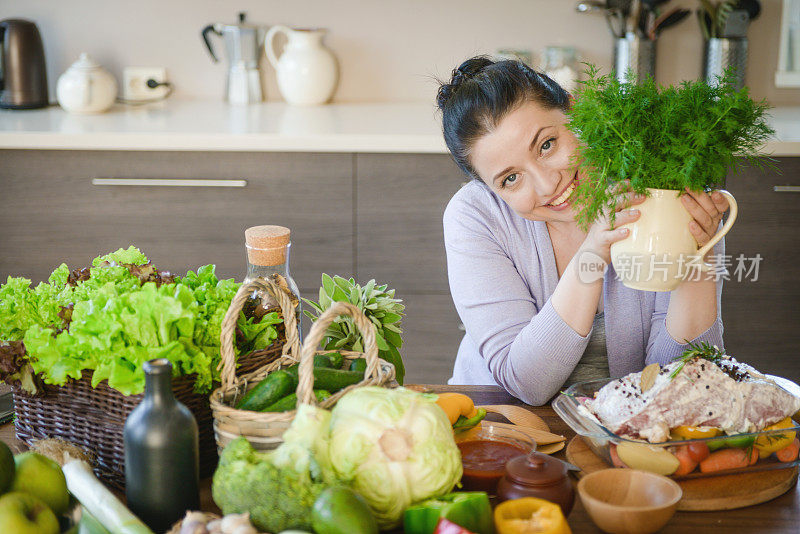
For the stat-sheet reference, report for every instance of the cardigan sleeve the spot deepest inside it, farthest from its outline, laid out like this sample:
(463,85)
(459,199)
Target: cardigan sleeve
(661,347)
(527,346)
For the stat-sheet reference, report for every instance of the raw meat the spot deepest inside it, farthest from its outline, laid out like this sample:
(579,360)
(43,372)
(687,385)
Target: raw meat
(724,393)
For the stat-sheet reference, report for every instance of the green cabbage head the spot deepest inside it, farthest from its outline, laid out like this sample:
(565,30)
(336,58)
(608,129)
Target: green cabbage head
(394,447)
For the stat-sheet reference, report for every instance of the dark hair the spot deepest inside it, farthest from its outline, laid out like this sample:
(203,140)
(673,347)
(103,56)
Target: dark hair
(481,92)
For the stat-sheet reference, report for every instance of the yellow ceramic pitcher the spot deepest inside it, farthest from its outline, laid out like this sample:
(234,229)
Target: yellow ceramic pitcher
(660,251)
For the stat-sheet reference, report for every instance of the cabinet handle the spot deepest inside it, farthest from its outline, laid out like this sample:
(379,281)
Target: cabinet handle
(168,182)
(786,188)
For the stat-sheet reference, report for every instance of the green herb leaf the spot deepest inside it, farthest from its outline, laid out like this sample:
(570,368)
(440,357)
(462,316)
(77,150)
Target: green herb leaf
(688,136)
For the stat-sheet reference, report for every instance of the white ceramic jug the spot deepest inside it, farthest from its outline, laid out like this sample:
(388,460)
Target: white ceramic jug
(86,87)
(307,71)
(660,250)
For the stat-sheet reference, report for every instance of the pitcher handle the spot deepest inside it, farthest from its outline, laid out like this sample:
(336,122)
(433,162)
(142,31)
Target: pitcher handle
(211,28)
(269,45)
(734,211)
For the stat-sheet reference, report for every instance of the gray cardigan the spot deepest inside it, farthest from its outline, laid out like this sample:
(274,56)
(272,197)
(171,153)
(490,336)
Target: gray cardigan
(502,272)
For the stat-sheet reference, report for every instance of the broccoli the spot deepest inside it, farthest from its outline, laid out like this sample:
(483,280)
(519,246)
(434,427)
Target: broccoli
(278,498)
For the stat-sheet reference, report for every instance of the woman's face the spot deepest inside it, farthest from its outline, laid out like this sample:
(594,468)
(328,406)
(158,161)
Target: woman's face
(528,161)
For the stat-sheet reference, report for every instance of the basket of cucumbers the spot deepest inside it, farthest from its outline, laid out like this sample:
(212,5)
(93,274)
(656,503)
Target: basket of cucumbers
(262,404)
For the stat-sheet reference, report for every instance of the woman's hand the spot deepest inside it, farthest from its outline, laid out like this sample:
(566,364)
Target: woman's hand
(602,234)
(706,210)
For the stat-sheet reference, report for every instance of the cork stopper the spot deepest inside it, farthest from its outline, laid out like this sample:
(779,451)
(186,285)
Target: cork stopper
(266,245)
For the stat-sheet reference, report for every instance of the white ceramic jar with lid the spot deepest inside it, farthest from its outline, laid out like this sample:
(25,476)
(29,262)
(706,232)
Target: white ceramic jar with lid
(86,87)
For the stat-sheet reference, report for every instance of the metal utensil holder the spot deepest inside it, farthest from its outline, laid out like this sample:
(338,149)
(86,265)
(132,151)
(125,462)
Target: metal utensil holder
(721,53)
(634,59)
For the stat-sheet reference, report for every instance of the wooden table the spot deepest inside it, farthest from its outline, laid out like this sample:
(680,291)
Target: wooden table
(779,515)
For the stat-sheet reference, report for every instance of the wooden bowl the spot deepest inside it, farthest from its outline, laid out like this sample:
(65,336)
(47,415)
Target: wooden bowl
(629,501)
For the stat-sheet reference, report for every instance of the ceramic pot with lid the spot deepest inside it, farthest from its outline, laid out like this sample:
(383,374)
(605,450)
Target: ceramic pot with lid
(537,475)
(86,87)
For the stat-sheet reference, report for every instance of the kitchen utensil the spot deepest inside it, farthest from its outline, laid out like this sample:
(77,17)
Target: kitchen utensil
(484,464)
(634,58)
(23,73)
(537,475)
(541,436)
(243,50)
(86,87)
(517,415)
(588,6)
(627,501)
(601,440)
(307,70)
(667,20)
(723,492)
(736,24)
(723,53)
(753,8)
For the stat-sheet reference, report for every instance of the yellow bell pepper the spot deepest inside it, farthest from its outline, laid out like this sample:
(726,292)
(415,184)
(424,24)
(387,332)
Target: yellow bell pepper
(694,432)
(530,515)
(767,444)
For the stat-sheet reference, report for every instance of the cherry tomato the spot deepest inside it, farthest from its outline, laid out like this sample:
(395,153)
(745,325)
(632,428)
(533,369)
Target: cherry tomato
(698,451)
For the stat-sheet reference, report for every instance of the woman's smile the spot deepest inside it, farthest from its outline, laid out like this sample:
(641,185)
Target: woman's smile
(561,201)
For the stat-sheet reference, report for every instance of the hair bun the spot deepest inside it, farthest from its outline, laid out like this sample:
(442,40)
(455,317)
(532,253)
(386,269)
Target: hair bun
(461,74)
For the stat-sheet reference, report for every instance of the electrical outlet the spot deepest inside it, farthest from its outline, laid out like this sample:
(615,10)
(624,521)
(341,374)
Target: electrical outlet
(135,83)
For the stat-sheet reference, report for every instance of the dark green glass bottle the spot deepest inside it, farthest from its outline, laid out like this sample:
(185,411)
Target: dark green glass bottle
(161,453)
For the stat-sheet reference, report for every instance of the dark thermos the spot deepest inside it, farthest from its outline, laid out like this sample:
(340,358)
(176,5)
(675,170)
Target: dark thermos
(161,453)
(23,74)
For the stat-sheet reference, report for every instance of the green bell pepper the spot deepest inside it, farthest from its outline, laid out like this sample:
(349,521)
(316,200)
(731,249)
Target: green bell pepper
(734,442)
(465,424)
(469,509)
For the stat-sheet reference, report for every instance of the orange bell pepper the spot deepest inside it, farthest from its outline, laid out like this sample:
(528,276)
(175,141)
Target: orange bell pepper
(455,405)
(529,514)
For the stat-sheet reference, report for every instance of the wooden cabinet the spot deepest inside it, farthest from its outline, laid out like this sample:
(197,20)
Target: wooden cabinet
(762,322)
(364,215)
(400,202)
(52,213)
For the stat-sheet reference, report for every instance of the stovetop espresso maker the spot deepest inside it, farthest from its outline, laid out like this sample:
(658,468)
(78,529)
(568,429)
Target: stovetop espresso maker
(243,47)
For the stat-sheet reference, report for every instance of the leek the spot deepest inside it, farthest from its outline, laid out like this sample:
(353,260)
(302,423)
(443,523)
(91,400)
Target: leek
(99,501)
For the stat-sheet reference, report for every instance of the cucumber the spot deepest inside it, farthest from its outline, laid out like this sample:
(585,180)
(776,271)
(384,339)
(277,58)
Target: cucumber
(275,386)
(320,360)
(359,365)
(289,402)
(336,359)
(335,379)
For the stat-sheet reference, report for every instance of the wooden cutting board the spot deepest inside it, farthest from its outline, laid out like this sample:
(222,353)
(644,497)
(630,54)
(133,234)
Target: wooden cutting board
(724,492)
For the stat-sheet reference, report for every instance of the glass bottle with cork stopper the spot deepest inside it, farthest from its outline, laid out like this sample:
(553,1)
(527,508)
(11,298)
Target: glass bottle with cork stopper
(268,249)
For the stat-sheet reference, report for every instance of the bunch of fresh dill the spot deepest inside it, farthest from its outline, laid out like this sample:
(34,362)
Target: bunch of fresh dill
(661,137)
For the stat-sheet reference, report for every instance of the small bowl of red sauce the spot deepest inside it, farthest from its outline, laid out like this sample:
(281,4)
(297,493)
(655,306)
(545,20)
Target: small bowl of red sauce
(485,451)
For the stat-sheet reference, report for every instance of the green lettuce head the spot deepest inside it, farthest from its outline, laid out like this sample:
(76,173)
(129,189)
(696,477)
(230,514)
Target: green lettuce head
(394,447)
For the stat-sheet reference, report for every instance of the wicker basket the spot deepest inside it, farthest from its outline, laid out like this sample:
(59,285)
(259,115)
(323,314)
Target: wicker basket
(264,430)
(94,418)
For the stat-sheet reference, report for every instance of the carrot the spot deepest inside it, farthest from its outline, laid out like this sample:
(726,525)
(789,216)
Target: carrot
(789,452)
(688,464)
(615,461)
(754,456)
(727,459)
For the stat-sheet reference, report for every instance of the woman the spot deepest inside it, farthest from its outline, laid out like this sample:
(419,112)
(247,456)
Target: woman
(517,259)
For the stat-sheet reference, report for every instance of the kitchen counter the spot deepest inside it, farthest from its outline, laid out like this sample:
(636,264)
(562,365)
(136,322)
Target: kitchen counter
(778,515)
(176,125)
(215,125)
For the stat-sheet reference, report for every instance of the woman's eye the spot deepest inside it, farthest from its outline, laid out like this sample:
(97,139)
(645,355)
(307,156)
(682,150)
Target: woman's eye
(509,180)
(547,145)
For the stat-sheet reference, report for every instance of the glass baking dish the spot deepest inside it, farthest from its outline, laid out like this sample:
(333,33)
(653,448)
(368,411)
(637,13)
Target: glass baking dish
(651,456)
